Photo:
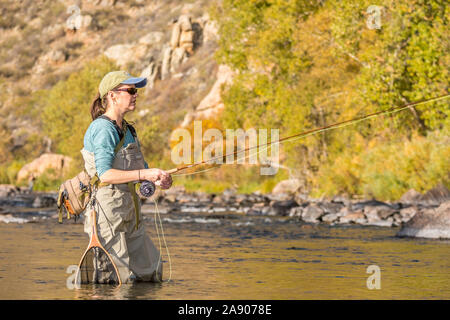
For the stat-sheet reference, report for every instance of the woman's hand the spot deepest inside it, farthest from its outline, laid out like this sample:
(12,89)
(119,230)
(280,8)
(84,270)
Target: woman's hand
(158,176)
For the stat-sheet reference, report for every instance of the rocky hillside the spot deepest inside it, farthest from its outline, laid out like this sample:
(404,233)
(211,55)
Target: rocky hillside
(172,43)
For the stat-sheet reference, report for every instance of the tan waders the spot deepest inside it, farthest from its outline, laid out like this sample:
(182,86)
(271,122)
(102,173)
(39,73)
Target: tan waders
(120,229)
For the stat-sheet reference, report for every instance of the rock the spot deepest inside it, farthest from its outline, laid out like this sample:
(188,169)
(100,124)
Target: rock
(355,217)
(287,186)
(330,207)
(212,103)
(165,67)
(407,213)
(175,37)
(312,213)
(385,213)
(243,200)
(341,200)
(168,199)
(261,211)
(229,196)
(282,208)
(122,54)
(429,223)
(218,200)
(54,161)
(258,197)
(152,38)
(295,212)
(151,72)
(378,212)
(43,202)
(176,190)
(178,58)
(210,31)
(344,212)
(53,57)
(204,197)
(8,190)
(410,197)
(397,219)
(371,203)
(330,217)
(435,196)
(301,198)
(279,196)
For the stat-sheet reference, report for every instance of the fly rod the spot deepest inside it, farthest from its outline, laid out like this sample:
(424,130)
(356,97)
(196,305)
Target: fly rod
(312,131)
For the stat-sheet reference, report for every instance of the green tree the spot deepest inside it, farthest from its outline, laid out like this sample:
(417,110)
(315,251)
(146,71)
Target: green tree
(65,107)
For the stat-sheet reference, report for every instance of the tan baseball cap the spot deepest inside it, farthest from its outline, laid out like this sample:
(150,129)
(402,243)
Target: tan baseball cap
(114,78)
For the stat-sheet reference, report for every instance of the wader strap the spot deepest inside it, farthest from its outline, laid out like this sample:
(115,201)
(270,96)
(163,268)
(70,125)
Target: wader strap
(59,203)
(132,187)
(95,180)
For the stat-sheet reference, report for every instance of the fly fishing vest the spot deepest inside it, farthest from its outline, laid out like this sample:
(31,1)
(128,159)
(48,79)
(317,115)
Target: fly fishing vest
(118,219)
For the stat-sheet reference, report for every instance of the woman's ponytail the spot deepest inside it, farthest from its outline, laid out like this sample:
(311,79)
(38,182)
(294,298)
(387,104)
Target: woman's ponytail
(98,106)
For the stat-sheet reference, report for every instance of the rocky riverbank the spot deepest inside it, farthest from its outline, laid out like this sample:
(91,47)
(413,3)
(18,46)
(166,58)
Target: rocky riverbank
(418,215)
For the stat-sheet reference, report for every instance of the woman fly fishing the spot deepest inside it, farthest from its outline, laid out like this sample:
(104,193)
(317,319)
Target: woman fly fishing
(112,154)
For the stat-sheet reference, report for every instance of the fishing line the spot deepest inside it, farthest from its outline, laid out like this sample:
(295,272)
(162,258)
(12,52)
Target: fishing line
(158,217)
(306,134)
(266,147)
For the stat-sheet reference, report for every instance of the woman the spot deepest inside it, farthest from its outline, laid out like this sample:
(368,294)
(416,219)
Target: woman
(112,153)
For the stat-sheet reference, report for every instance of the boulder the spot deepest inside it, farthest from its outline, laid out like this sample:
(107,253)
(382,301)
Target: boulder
(429,223)
(410,197)
(378,212)
(212,103)
(287,186)
(165,66)
(283,208)
(243,200)
(151,72)
(330,217)
(8,190)
(122,54)
(435,196)
(312,213)
(54,161)
(175,36)
(152,38)
(407,213)
(331,207)
(295,212)
(178,58)
(210,31)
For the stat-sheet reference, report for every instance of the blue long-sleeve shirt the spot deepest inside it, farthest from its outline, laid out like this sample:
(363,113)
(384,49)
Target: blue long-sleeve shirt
(101,138)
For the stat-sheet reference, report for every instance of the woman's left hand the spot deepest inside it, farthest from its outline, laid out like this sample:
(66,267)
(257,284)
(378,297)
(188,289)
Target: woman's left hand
(165,180)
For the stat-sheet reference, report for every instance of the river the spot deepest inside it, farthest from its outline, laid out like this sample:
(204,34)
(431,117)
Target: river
(233,256)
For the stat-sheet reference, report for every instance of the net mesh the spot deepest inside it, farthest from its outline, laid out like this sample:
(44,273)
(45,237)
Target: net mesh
(97,268)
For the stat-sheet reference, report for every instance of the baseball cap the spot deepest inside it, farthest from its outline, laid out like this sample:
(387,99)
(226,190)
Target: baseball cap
(114,78)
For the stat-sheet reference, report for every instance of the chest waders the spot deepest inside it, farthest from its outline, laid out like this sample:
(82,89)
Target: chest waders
(119,214)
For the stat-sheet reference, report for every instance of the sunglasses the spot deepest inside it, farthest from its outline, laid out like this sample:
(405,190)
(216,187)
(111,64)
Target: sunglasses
(131,91)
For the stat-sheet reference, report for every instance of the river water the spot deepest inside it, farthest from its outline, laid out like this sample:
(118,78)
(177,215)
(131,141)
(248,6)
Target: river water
(233,257)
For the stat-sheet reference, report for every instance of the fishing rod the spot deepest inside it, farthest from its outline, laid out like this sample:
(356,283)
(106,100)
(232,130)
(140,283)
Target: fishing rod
(148,188)
(312,131)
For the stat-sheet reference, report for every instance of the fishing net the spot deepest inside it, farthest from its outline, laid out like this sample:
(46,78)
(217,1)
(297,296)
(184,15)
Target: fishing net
(96,267)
